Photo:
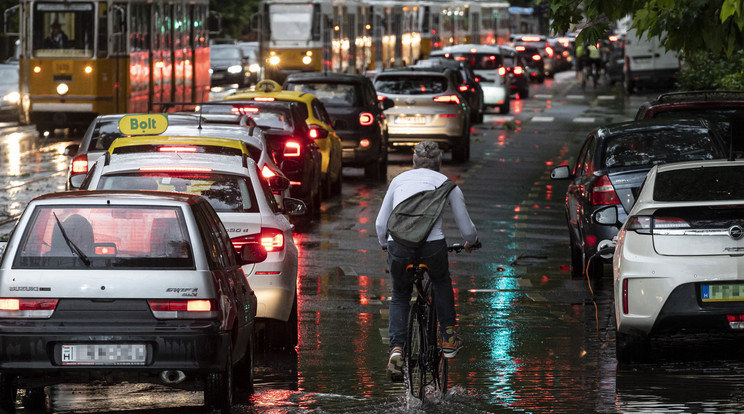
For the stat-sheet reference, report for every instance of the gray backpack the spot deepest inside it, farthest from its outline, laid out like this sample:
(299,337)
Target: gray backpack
(412,219)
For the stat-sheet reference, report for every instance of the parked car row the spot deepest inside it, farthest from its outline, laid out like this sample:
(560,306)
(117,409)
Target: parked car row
(661,198)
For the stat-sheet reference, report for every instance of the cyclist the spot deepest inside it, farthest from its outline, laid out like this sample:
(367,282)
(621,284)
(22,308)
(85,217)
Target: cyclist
(581,55)
(425,175)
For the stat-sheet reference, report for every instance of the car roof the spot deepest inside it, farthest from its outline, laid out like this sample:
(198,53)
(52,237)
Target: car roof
(321,76)
(217,163)
(700,96)
(646,124)
(413,71)
(698,164)
(177,140)
(84,196)
(466,48)
(208,130)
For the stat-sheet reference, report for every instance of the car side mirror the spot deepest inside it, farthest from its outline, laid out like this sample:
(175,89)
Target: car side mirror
(71,150)
(606,216)
(278,183)
(560,173)
(294,207)
(252,253)
(387,103)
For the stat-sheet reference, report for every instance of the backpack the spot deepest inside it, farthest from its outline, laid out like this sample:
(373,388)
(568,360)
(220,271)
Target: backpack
(412,219)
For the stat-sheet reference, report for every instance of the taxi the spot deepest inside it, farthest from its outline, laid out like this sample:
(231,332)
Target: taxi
(328,142)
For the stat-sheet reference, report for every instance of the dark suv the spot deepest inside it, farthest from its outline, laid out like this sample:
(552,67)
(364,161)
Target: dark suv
(470,88)
(351,102)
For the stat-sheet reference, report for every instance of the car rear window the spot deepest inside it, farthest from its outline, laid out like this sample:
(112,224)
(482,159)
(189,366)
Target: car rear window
(700,184)
(201,149)
(651,147)
(330,93)
(411,84)
(226,193)
(480,61)
(120,237)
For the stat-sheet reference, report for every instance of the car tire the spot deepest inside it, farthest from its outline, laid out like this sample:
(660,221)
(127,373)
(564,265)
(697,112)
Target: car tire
(243,373)
(461,152)
(326,186)
(504,109)
(525,93)
(35,399)
(8,393)
(577,261)
(631,348)
(338,185)
(218,388)
(283,335)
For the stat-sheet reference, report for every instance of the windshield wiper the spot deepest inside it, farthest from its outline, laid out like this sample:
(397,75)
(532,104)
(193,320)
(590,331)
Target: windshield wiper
(73,247)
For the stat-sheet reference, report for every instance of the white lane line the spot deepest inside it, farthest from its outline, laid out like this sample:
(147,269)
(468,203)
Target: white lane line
(543,119)
(574,96)
(584,119)
(501,118)
(542,96)
(606,97)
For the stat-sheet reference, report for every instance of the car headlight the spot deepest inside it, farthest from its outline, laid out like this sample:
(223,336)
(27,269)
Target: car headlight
(12,97)
(254,67)
(274,60)
(211,71)
(235,69)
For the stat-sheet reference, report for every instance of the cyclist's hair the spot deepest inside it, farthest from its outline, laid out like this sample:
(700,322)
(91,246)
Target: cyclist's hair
(426,154)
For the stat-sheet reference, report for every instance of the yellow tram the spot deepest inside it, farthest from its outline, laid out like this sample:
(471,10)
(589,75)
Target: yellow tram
(80,59)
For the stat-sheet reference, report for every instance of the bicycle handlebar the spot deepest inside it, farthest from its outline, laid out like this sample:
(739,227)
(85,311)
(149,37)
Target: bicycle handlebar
(457,247)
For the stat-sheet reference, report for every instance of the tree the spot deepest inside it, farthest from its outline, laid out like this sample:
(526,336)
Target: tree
(713,26)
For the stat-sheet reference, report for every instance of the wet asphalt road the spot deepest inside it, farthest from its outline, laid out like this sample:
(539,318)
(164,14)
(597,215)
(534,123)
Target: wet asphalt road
(536,341)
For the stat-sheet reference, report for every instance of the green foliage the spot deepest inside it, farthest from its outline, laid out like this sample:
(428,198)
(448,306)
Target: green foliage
(704,70)
(235,15)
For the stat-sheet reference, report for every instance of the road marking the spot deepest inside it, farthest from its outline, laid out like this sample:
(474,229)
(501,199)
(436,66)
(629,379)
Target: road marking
(347,271)
(574,96)
(501,118)
(536,297)
(542,96)
(606,97)
(543,119)
(524,283)
(582,119)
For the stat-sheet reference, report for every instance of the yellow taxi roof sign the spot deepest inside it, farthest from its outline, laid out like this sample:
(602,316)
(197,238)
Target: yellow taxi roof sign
(144,124)
(268,85)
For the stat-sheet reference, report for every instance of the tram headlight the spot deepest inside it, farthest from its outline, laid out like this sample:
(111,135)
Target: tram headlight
(12,98)
(274,60)
(88,69)
(37,69)
(234,69)
(62,89)
(307,60)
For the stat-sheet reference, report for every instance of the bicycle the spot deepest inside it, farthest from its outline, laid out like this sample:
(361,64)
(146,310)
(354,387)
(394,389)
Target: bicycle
(424,361)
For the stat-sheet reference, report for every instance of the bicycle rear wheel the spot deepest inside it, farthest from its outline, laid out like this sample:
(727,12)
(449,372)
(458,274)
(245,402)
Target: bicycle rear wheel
(440,368)
(415,354)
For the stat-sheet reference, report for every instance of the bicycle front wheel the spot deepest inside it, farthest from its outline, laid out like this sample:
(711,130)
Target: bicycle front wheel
(415,354)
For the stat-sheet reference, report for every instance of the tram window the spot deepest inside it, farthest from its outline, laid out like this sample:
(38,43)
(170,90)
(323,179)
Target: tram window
(63,29)
(291,21)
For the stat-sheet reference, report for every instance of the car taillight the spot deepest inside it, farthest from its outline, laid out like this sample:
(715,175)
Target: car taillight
(536,57)
(267,172)
(502,71)
(667,223)
(649,224)
(639,224)
(518,70)
(549,51)
(27,308)
(603,193)
(366,119)
(625,296)
(477,79)
(80,164)
(182,309)
(381,98)
(364,143)
(447,99)
(176,169)
(244,110)
(292,149)
(520,48)
(463,88)
(177,148)
(263,99)
(271,239)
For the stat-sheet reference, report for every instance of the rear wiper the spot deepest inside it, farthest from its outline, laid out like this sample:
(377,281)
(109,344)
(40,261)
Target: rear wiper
(73,247)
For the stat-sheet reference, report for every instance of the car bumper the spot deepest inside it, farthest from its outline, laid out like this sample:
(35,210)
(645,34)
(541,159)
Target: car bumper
(446,129)
(275,283)
(354,154)
(664,292)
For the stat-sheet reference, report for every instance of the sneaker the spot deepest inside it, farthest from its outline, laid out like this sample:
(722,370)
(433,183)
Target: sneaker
(395,365)
(451,343)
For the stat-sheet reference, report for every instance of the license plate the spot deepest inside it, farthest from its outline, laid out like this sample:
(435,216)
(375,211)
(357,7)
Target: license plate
(104,354)
(416,120)
(723,292)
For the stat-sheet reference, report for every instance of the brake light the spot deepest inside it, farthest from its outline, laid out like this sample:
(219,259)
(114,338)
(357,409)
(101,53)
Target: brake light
(520,48)
(364,143)
(460,58)
(366,119)
(625,296)
(477,79)
(502,71)
(473,50)
(271,239)
(549,51)
(603,193)
(530,38)
(177,149)
(263,99)
(176,169)
(80,164)
(314,133)
(536,58)
(463,88)
(613,38)
(291,149)
(447,99)
(266,172)
(27,308)
(670,223)
(492,57)
(518,70)
(565,53)
(639,224)
(182,309)
(244,110)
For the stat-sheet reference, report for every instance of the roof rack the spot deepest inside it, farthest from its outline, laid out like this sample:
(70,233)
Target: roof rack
(705,95)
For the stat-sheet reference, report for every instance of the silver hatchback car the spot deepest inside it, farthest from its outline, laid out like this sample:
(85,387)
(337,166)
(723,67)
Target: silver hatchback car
(428,106)
(125,286)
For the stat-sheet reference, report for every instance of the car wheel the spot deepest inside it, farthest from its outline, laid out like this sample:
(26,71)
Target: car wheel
(218,388)
(35,399)
(244,374)
(283,335)
(631,348)
(460,152)
(337,185)
(525,93)
(504,109)
(577,261)
(8,392)
(326,186)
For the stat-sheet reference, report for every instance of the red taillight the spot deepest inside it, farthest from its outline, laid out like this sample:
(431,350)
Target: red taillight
(194,305)
(12,304)
(625,296)
(244,110)
(364,143)
(670,223)
(271,239)
(549,51)
(520,48)
(292,149)
(460,58)
(639,224)
(536,57)
(565,53)
(448,115)
(473,50)
(531,38)
(502,71)
(177,149)
(366,119)
(381,98)
(447,99)
(263,99)
(80,164)
(518,70)
(603,193)
(266,172)
(477,79)
(463,88)
(176,169)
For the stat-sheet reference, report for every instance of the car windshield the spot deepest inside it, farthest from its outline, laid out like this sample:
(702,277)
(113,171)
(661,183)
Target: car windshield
(117,237)
(649,147)
(224,53)
(411,84)
(226,193)
(700,184)
(331,94)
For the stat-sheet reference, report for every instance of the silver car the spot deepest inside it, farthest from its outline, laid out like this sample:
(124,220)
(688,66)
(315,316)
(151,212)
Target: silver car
(428,106)
(125,286)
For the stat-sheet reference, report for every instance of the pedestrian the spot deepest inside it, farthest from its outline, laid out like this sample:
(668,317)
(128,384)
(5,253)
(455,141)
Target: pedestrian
(425,176)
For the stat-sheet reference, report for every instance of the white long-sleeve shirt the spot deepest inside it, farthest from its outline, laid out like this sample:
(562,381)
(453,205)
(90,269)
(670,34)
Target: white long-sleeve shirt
(415,181)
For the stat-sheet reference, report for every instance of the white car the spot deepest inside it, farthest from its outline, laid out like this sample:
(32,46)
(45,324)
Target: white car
(243,202)
(679,259)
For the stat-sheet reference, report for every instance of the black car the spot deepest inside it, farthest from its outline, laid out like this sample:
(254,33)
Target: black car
(515,64)
(470,88)
(535,65)
(288,139)
(228,66)
(609,170)
(356,114)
